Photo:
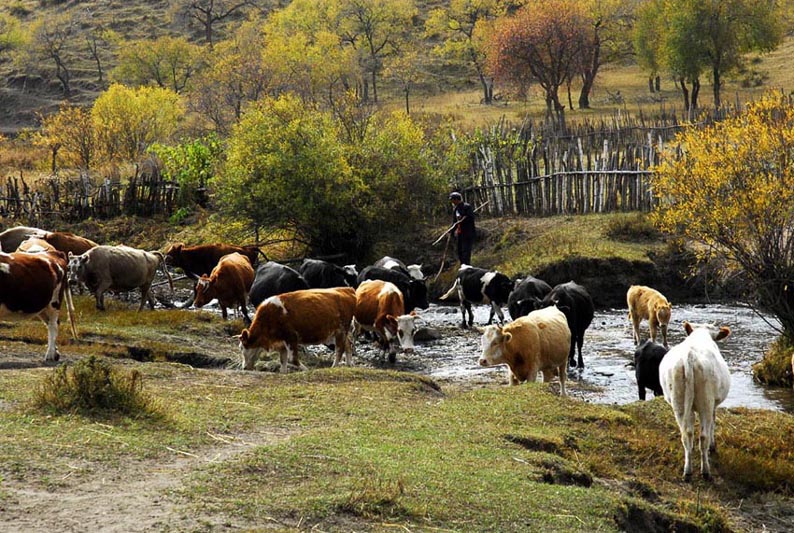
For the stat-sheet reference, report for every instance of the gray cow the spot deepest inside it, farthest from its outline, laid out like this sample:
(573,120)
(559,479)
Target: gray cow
(118,268)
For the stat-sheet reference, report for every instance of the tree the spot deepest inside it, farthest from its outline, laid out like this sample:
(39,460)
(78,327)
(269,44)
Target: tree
(647,39)
(733,194)
(545,42)
(208,13)
(168,62)
(404,69)
(286,170)
(55,40)
(375,29)
(99,41)
(457,24)
(129,120)
(11,35)
(70,133)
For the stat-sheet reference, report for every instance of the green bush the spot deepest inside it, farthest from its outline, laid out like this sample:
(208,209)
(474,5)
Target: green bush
(633,227)
(92,385)
(775,367)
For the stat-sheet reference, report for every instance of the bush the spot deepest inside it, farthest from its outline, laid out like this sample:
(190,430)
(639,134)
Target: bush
(633,227)
(775,367)
(93,385)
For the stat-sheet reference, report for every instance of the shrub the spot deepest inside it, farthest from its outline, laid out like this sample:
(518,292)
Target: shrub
(633,227)
(775,367)
(93,385)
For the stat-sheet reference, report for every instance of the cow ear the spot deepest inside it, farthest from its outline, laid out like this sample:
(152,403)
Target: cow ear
(724,332)
(688,327)
(71,255)
(391,324)
(507,336)
(244,336)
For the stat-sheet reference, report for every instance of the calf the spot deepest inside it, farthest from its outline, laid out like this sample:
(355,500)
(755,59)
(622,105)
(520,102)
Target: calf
(533,343)
(274,278)
(696,379)
(577,306)
(11,238)
(647,358)
(229,282)
(35,284)
(414,291)
(118,268)
(477,285)
(526,296)
(646,303)
(321,274)
(286,321)
(380,308)
(414,271)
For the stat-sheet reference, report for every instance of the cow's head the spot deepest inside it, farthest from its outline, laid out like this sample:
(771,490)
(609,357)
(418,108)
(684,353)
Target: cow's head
(415,271)
(527,305)
(173,254)
(715,332)
(493,342)
(249,351)
(350,274)
(205,291)
(78,265)
(662,311)
(405,330)
(497,287)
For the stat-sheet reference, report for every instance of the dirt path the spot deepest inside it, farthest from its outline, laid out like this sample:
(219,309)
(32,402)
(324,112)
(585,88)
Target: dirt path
(134,496)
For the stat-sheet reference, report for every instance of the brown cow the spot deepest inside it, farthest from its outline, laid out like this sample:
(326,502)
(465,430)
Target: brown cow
(199,260)
(380,308)
(313,316)
(229,282)
(647,303)
(67,242)
(34,284)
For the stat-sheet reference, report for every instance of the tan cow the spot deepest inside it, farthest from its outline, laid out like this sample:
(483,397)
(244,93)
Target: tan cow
(35,285)
(538,342)
(380,308)
(648,304)
(229,282)
(315,316)
(34,245)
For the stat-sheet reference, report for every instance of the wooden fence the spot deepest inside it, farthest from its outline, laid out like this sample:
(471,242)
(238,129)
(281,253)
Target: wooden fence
(76,198)
(594,167)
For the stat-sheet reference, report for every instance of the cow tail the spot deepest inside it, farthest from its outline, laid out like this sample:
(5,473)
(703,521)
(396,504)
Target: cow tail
(451,290)
(689,385)
(165,270)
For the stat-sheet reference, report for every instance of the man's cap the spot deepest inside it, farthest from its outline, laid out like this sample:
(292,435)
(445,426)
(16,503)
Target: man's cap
(455,196)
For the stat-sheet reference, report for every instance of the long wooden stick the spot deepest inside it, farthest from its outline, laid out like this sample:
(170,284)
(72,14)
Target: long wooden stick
(443,257)
(453,226)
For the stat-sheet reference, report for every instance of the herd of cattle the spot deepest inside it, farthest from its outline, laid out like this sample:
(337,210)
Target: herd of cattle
(323,303)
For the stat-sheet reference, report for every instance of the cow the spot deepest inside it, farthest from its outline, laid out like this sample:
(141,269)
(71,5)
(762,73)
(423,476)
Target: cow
(35,284)
(577,306)
(380,308)
(11,238)
(118,268)
(286,321)
(274,278)
(414,291)
(67,242)
(530,344)
(477,285)
(647,358)
(696,379)
(647,303)
(526,296)
(229,282)
(321,274)
(414,271)
(34,245)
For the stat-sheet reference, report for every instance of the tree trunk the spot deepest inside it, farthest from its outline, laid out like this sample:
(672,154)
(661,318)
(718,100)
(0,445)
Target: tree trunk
(570,99)
(658,83)
(486,89)
(374,88)
(650,84)
(717,87)
(407,109)
(590,72)
(685,93)
(695,93)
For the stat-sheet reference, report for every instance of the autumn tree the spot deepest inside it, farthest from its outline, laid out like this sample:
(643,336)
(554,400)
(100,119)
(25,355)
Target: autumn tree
(544,42)
(457,25)
(71,136)
(100,41)
(208,13)
(647,38)
(167,62)
(129,120)
(732,193)
(54,46)
(405,71)
(376,29)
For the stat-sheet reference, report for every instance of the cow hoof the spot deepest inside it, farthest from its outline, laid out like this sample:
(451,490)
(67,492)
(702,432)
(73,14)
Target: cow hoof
(392,358)
(464,325)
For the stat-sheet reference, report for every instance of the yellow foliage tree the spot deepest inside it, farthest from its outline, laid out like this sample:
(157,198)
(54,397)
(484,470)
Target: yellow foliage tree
(129,120)
(733,192)
(70,135)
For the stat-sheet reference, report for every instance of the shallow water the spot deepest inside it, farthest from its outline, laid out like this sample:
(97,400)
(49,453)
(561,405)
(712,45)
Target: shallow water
(608,348)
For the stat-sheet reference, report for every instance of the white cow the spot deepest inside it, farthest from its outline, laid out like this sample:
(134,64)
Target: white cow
(695,378)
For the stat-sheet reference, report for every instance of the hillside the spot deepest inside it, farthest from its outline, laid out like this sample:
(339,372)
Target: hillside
(446,89)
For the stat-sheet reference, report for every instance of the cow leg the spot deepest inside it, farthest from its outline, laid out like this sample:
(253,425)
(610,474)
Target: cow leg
(579,342)
(283,354)
(572,353)
(498,310)
(562,370)
(641,390)
(244,311)
(99,295)
(50,317)
(511,378)
(224,313)
(467,305)
(686,424)
(355,331)
(664,335)
(146,297)
(463,314)
(635,324)
(653,327)
(706,435)
(341,345)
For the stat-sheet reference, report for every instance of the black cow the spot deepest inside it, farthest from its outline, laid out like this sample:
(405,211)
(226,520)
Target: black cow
(477,285)
(647,358)
(526,296)
(577,306)
(414,291)
(274,278)
(414,271)
(324,275)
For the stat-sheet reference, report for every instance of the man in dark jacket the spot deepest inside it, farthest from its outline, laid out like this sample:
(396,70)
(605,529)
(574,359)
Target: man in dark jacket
(463,218)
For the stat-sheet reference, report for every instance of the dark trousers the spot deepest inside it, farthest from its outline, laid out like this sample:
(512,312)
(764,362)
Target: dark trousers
(465,245)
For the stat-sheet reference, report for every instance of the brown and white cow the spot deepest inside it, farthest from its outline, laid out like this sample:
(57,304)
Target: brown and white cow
(538,342)
(11,238)
(283,323)
(380,308)
(229,282)
(647,303)
(118,268)
(34,284)
(34,245)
